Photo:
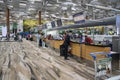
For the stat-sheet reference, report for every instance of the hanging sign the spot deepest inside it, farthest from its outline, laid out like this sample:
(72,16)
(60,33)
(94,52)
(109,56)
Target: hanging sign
(4,31)
(118,24)
(79,18)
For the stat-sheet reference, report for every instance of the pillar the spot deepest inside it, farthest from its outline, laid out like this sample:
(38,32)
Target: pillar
(39,17)
(7,20)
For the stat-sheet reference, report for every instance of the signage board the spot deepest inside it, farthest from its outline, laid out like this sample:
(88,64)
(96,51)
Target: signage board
(4,31)
(118,24)
(104,66)
(79,18)
(118,21)
(49,26)
(53,24)
(59,22)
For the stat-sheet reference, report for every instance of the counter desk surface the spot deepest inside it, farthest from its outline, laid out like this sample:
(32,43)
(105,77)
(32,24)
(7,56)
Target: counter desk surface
(81,49)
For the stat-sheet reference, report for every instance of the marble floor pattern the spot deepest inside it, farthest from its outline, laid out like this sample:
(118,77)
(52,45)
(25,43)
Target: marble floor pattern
(24,61)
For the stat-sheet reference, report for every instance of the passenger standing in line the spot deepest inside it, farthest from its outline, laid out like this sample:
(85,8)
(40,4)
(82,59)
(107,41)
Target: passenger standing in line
(81,38)
(8,36)
(38,38)
(66,43)
(40,41)
(43,40)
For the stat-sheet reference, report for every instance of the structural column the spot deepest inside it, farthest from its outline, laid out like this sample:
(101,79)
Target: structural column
(7,20)
(39,17)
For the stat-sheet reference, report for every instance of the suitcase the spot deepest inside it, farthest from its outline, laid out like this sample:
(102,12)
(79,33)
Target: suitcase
(62,49)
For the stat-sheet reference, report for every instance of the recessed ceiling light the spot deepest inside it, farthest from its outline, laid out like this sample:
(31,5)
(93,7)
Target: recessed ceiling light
(64,8)
(31,9)
(22,4)
(1,1)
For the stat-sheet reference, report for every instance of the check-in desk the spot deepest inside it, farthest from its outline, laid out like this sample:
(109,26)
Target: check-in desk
(81,49)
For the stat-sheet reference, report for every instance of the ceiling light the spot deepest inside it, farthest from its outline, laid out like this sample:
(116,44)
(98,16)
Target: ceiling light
(49,4)
(10,6)
(32,1)
(64,8)
(22,4)
(69,3)
(1,1)
(73,8)
(31,9)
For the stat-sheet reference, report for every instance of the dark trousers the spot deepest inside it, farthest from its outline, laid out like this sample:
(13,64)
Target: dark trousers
(40,42)
(66,51)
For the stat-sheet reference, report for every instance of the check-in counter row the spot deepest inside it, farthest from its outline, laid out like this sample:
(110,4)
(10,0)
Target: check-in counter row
(80,49)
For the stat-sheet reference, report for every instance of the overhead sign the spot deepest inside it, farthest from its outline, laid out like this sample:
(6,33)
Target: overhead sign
(118,24)
(118,21)
(59,22)
(49,26)
(53,24)
(79,18)
(4,31)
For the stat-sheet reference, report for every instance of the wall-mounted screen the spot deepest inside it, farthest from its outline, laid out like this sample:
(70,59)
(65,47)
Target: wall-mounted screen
(49,26)
(118,21)
(53,24)
(59,22)
(118,24)
(79,18)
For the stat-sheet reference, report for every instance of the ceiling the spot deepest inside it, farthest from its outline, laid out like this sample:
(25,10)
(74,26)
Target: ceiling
(54,9)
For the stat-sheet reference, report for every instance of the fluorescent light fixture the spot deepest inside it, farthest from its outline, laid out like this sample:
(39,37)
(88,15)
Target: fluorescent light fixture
(1,1)
(31,9)
(33,1)
(64,8)
(73,8)
(22,4)
(49,4)
(69,3)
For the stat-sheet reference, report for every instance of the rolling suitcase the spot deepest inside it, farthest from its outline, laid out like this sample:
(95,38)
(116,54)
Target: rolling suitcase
(62,49)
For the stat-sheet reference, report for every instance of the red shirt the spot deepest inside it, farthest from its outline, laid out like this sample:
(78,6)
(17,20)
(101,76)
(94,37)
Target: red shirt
(88,40)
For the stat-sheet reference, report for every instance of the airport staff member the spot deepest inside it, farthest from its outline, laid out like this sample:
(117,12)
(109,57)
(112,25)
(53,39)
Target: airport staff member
(88,40)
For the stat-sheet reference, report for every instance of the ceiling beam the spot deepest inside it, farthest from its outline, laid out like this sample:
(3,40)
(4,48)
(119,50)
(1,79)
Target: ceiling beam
(102,7)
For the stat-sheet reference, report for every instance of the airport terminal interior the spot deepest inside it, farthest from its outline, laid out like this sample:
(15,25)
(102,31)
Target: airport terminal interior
(59,39)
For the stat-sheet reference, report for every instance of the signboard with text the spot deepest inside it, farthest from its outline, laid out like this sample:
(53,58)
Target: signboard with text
(118,24)
(59,22)
(53,24)
(79,18)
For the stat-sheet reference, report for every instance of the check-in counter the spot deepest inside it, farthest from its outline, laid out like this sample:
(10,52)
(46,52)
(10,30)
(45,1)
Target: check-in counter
(57,43)
(81,49)
(89,48)
(76,48)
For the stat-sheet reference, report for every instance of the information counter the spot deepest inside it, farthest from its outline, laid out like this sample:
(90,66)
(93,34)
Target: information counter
(80,49)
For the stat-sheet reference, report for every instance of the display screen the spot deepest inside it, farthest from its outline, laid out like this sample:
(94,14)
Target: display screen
(53,24)
(49,26)
(118,24)
(59,22)
(44,26)
(118,21)
(79,18)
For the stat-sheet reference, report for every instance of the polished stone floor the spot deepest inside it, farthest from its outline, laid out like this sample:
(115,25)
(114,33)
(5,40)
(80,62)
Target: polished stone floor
(25,61)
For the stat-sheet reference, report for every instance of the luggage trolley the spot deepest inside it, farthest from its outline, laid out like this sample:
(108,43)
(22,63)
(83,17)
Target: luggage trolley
(102,66)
